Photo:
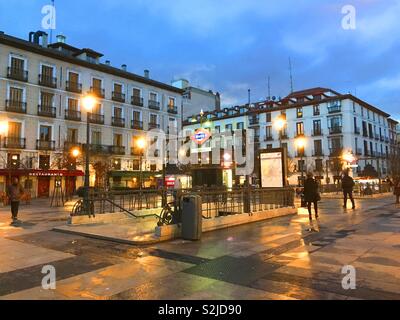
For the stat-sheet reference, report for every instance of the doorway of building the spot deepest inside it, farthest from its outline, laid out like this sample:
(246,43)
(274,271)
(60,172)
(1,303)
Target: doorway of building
(43,187)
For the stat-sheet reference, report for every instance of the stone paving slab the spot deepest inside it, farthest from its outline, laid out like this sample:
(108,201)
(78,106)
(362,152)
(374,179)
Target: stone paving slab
(281,259)
(108,281)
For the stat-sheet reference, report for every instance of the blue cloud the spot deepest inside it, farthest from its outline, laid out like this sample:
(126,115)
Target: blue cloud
(228,45)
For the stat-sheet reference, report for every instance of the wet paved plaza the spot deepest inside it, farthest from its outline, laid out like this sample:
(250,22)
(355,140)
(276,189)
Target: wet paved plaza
(283,258)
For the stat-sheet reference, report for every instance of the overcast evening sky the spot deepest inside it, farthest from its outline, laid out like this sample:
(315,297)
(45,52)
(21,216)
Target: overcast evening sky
(232,45)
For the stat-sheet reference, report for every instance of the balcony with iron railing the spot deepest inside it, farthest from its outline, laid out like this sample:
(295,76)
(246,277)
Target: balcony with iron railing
(47,81)
(137,101)
(172,109)
(17,74)
(357,130)
(74,115)
(99,92)
(269,138)
(317,132)
(359,152)
(318,153)
(136,151)
(299,135)
(15,106)
(46,111)
(45,145)
(136,124)
(336,108)
(117,150)
(118,122)
(153,125)
(69,145)
(118,96)
(335,152)
(97,148)
(73,87)
(254,121)
(300,154)
(335,130)
(155,105)
(96,118)
(284,135)
(14,143)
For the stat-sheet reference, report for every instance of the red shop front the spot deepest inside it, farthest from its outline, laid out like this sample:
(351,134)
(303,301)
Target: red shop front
(40,183)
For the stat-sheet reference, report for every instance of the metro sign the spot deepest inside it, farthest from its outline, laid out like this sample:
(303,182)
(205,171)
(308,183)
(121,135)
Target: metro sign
(200,136)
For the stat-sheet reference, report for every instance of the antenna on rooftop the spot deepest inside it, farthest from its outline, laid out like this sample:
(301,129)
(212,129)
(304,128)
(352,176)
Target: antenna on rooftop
(291,75)
(249,96)
(269,89)
(52,21)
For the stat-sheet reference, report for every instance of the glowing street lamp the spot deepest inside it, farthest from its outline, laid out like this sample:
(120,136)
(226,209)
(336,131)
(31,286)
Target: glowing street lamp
(279,124)
(88,103)
(3,127)
(141,144)
(75,152)
(300,144)
(348,157)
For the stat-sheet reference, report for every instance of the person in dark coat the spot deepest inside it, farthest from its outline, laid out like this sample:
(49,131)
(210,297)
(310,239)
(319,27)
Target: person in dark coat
(311,194)
(347,186)
(396,189)
(14,193)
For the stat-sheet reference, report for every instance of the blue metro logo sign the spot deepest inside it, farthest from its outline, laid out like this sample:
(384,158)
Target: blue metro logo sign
(200,136)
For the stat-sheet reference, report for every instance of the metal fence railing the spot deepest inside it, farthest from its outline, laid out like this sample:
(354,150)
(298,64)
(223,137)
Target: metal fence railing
(360,189)
(237,201)
(215,203)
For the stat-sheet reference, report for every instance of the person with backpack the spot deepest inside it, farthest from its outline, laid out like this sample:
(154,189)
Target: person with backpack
(311,195)
(347,187)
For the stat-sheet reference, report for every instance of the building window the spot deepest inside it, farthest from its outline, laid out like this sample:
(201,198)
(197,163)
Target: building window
(268,117)
(45,133)
(300,128)
(72,135)
(44,162)
(317,110)
(153,96)
(299,112)
(13,161)
(96,137)
(240,126)
(319,167)
(317,130)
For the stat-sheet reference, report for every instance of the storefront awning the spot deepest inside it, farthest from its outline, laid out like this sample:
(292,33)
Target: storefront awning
(41,173)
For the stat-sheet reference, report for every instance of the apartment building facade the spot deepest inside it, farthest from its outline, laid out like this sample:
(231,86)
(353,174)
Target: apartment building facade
(41,112)
(330,126)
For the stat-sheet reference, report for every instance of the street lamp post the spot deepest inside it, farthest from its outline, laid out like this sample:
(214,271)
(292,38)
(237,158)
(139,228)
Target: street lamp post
(279,124)
(88,103)
(141,144)
(301,143)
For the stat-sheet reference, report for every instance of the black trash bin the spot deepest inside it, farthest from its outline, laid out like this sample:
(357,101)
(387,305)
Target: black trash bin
(191,218)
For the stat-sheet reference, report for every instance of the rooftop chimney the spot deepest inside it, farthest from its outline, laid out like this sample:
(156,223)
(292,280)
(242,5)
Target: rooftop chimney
(123,67)
(60,38)
(147,74)
(108,63)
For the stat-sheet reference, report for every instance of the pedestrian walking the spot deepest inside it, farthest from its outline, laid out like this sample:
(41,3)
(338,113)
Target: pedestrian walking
(14,193)
(347,186)
(311,195)
(396,189)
